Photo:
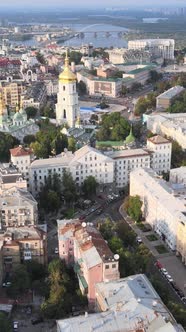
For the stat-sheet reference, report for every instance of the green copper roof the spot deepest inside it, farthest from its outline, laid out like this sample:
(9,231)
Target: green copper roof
(18,116)
(130,138)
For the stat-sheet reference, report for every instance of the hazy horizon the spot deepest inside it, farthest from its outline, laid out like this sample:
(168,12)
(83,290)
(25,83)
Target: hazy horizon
(22,4)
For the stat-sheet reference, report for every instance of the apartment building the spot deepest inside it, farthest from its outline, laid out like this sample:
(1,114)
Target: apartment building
(94,261)
(177,178)
(127,160)
(161,208)
(161,154)
(23,244)
(83,163)
(157,47)
(11,92)
(126,305)
(11,177)
(21,158)
(165,99)
(17,208)
(172,126)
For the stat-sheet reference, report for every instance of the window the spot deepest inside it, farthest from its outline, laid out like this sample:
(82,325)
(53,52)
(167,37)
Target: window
(63,87)
(35,244)
(106,267)
(64,114)
(113,266)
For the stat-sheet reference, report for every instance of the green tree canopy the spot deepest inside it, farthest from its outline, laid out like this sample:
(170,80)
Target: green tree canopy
(89,186)
(133,207)
(31,111)
(69,190)
(7,142)
(178,156)
(20,281)
(71,144)
(81,88)
(5,324)
(28,139)
(113,127)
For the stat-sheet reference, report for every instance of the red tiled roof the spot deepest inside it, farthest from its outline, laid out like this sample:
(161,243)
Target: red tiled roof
(20,151)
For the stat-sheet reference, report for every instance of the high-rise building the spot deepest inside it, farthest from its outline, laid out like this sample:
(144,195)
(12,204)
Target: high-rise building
(157,47)
(67,107)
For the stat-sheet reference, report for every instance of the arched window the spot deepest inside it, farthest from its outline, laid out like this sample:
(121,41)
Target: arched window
(63,87)
(64,114)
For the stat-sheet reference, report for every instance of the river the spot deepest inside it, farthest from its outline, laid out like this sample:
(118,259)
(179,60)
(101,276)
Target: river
(96,36)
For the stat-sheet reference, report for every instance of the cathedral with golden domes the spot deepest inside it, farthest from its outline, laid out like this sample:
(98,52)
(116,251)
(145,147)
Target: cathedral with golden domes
(67,107)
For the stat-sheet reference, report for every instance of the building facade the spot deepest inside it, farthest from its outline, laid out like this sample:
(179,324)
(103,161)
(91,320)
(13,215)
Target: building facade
(157,47)
(166,99)
(172,126)
(23,244)
(161,154)
(17,208)
(21,158)
(84,246)
(161,209)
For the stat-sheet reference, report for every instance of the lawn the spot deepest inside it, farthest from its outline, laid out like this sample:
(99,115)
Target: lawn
(152,237)
(161,249)
(144,227)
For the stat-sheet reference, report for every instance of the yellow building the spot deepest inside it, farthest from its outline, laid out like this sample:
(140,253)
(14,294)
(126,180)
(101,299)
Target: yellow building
(12,93)
(181,241)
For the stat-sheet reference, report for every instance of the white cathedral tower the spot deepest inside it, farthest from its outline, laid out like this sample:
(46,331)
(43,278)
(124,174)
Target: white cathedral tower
(67,107)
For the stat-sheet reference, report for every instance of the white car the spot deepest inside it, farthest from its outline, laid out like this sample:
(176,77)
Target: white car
(164,271)
(169,278)
(56,251)
(139,240)
(15,326)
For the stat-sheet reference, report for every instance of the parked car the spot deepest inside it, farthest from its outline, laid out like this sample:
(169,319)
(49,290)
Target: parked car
(169,278)
(7,284)
(15,326)
(37,320)
(180,293)
(56,251)
(139,240)
(98,212)
(159,265)
(164,271)
(82,217)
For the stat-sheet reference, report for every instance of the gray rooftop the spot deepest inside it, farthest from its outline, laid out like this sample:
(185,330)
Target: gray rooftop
(172,92)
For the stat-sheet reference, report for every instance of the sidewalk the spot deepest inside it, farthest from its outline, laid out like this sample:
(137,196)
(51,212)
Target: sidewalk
(172,264)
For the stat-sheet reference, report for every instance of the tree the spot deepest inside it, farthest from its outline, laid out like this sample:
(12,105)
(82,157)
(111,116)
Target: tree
(40,58)
(75,57)
(5,323)
(50,195)
(178,155)
(89,186)
(133,207)
(115,244)
(20,281)
(71,144)
(154,76)
(113,127)
(69,191)
(127,236)
(31,111)
(135,87)
(81,88)
(28,139)
(7,142)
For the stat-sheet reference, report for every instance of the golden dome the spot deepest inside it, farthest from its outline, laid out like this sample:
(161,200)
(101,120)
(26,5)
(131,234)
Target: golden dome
(67,76)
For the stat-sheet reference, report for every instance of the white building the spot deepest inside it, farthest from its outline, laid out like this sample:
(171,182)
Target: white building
(107,168)
(161,156)
(178,180)
(22,157)
(157,47)
(170,125)
(165,99)
(161,209)
(83,163)
(126,161)
(17,208)
(67,107)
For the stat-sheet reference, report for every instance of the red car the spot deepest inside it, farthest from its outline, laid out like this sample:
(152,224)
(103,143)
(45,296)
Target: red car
(82,217)
(159,265)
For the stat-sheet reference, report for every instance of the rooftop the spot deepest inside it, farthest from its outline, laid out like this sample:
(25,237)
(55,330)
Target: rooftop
(131,305)
(128,153)
(158,140)
(172,92)
(21,151)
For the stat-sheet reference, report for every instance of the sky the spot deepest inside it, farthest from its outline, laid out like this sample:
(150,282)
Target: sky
(85,4)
